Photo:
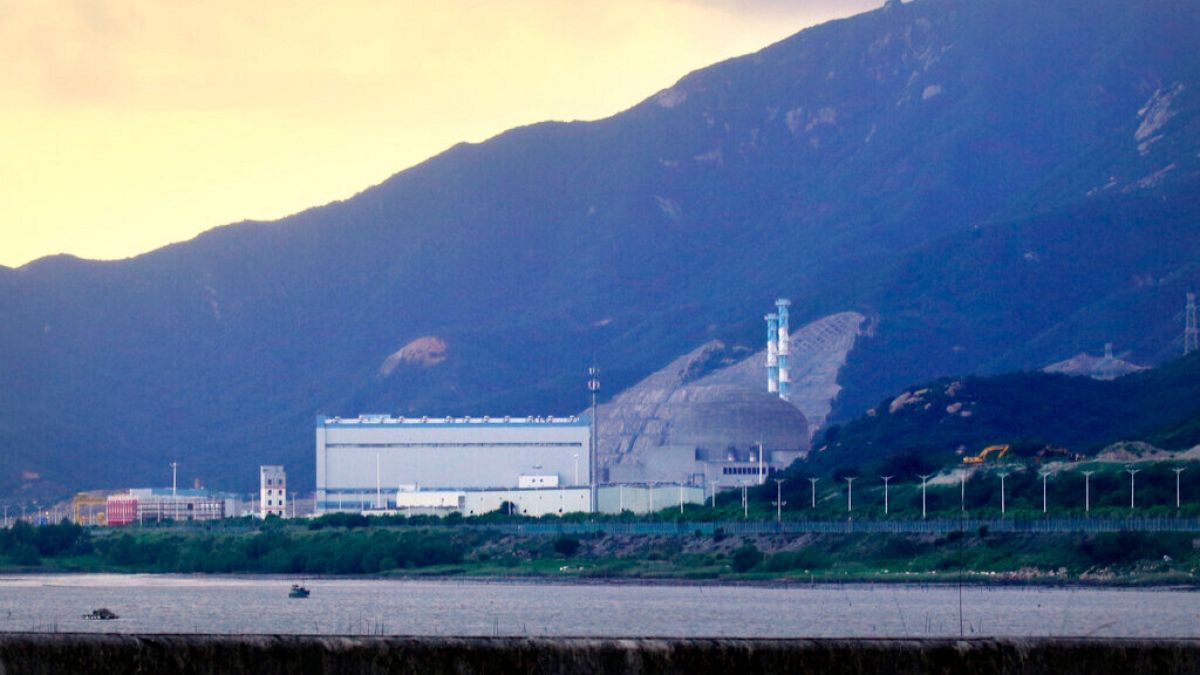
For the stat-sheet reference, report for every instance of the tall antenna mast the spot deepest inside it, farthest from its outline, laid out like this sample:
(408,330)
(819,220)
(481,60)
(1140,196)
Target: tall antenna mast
(1191,338)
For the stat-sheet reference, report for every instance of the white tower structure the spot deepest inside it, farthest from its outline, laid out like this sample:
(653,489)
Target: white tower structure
(1191,338)
(784,339)
(272,488)
(772,353)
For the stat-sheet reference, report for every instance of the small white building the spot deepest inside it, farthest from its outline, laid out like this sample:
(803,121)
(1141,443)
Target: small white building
(272,491)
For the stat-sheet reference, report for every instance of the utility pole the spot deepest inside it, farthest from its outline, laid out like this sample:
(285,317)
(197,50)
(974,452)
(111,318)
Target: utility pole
(1177,471)
(174,473)
(779,500)
(1044,475)
(1002,477)
(814,491)
(714,484)
(594,388)
(1087,491)
(885,493)
(962,491)
(1132,473)
(849,493)
(745,504)
(924,481)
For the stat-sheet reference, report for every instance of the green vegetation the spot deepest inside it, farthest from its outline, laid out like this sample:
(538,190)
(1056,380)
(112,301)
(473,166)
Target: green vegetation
(375,547)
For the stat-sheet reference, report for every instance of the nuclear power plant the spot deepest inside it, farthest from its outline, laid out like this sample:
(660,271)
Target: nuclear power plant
(665,439)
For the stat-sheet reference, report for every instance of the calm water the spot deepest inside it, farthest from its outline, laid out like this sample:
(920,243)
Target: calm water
(185,604)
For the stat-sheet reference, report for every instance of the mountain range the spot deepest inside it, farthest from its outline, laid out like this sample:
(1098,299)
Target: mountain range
(995,184)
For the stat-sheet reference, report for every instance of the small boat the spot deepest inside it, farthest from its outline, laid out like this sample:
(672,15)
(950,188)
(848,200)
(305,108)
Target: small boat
(102,614)
(298,591)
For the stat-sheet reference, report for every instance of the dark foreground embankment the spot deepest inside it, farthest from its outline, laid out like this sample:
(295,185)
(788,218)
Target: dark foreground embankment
(297,655)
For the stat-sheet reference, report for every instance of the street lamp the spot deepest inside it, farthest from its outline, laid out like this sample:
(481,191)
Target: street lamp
(1002,477)
(1177,471)
(924,480)
(1132,473)
(849,493)
(593,486)
(885,492)
(779,500)
(1087,491)
(814,491)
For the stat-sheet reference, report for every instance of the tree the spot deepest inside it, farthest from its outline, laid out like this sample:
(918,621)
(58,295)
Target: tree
(746,558)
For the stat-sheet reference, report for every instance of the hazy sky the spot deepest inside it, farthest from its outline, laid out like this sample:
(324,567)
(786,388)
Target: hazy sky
(129,124)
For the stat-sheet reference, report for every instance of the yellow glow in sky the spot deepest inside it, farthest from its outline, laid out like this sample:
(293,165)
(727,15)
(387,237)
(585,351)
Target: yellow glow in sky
(127,125)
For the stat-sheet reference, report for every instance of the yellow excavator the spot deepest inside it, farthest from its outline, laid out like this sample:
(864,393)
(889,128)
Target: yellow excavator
(1001,451)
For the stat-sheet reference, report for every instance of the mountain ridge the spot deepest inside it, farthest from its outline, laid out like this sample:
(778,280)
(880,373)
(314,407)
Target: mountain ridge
(630,240)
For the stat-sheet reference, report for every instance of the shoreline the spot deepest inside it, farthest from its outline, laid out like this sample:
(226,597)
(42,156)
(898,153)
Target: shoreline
(533,579)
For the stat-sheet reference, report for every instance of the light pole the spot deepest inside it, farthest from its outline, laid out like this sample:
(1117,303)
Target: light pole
(1044,475)
(885,492)
(714,483)
(1132,473)
(1087,491)
(814,491)
(681,497)
(745,504)
(1002,477)
(779,500)
(293,506)
(1177,471)
(962,491)
(594,387)
(924,480)
(849,493)
(174,472)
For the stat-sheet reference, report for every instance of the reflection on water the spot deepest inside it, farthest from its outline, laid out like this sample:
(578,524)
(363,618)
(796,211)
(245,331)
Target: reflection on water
(186,604)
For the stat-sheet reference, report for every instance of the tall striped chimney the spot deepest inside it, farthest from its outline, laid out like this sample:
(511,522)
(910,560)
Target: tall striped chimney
(772,353)
(784,340)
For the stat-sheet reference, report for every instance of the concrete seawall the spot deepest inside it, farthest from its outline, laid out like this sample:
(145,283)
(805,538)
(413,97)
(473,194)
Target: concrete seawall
(26,653)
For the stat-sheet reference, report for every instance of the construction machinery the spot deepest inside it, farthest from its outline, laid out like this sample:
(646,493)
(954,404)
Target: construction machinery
(89,508)
(1000,450)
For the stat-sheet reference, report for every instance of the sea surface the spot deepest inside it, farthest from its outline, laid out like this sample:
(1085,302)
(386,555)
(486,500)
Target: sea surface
(204,604)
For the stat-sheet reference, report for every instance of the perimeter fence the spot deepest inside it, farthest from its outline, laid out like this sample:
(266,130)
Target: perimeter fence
(932,526)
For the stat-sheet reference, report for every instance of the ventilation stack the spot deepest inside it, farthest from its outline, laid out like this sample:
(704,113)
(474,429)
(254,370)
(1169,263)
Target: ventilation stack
(1191,338)
(784,340)
(772,353)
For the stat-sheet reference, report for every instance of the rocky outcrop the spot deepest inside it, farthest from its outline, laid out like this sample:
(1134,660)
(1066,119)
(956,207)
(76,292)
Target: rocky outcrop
(1096,367)
(66,654)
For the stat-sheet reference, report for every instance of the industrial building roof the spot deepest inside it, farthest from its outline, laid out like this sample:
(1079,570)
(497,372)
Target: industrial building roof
(387,420)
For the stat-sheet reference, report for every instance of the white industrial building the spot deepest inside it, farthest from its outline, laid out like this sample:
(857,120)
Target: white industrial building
(468,464)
